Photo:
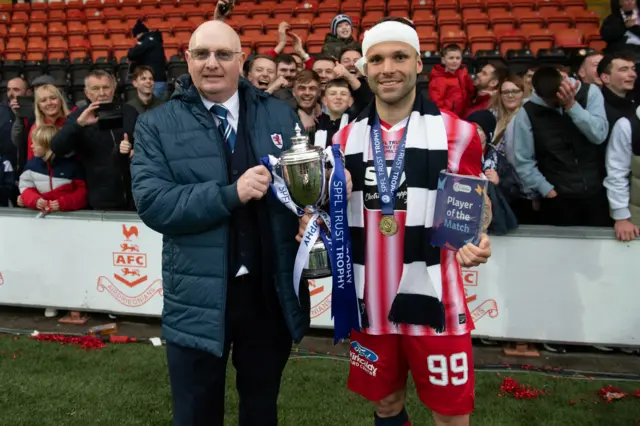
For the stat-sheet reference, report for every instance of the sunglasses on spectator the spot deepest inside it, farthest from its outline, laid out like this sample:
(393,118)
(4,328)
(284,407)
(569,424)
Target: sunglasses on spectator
(222,55)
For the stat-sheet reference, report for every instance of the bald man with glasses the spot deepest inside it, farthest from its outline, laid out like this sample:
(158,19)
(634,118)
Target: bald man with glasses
(229,245)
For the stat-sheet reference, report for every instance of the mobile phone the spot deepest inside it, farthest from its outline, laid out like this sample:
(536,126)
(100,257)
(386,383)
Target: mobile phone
(27,106)
(110,115)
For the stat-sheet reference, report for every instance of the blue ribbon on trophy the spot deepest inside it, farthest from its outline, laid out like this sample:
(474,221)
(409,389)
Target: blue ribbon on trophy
(302,188)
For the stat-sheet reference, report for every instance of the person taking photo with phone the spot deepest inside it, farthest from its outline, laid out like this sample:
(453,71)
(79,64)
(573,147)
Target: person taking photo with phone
(96,139)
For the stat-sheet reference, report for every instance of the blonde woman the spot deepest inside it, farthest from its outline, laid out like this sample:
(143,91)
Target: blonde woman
(50,108)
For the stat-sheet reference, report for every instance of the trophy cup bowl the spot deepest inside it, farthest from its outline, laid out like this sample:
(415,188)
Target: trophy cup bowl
(303,171)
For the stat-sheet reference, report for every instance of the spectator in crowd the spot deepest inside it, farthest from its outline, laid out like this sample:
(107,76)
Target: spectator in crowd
(557,133)
(526,78)
(623,176)
(303,61)
(306,90)
(9,119)
(337,98)
(262,71)
(51,184)
(324,66)
(486,82)
(286,70)
(143,81)
(588,71)
(618,74)
(149,51)
(97,145)
(341,36)
(450,86)
(621,29)
(50,108)
(348,58)
(197,181)
(485,123)
(7,182)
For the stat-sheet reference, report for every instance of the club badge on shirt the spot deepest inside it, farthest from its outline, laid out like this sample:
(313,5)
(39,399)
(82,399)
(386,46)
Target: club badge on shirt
(276,138)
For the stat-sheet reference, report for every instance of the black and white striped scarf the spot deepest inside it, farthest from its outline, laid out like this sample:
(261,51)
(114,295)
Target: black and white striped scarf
(419,297)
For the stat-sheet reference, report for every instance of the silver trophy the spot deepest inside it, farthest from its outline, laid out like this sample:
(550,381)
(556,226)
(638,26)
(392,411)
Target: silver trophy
(304,173)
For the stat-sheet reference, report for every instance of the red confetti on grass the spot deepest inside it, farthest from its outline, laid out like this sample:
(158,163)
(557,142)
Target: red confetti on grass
(512,387)
(611,393)
(85,342)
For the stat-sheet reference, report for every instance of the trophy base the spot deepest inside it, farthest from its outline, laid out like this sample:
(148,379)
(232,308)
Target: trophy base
(319,264)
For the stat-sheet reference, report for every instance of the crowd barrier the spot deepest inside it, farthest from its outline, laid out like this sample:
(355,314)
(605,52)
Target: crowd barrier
(571,285)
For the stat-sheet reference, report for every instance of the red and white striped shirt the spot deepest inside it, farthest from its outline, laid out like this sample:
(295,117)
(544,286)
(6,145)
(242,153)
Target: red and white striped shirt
(384,255)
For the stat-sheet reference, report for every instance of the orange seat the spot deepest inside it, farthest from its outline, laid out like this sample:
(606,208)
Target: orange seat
(74,4)
(263,43)
(25,7)
(37,30)
(328,9)
(472,6)
(18,30)
(14,49)
(474,21)
(421,5)
(511,40)
(501,20)
(399,6)
(113,16)
(174,16)
(301,27)
(321,24)
(271,26)
(94,14)
(449,21)
(57,49)
(539,38)
(570,37)
(548,5)
(242,9)
(19,18)
(39,5)
(352,8)
(57,15)
(183,29)
(369,20)
(574,4)
(306,10)
(481,40)
(4,31)
(458,37)
(424,17)
(501,5)
(287,8)
(521,5)
(260,12)
(76,15)
(586,19)
(38,16)
(428,41)
(315,42)
(252,29)
(446,5)
(593,40)
(5,18)
(57,5)
(556,20)
(153,21)
(196,20)
(93,4)
(130,12)
(528,19)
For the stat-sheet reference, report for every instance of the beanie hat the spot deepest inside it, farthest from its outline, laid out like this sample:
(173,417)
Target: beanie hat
(42,80)
(337,20)
(139,28)
(486,120)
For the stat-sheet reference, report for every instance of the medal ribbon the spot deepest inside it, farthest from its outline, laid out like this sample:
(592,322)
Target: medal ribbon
(387,184)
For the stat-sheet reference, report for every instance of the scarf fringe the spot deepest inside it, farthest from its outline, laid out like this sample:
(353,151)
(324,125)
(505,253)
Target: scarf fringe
(418,309)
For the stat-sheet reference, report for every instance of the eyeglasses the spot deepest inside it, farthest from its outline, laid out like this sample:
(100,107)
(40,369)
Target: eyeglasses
(222,55)
(511,92)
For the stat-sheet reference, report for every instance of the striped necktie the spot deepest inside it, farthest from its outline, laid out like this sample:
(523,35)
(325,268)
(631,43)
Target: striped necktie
(227,132)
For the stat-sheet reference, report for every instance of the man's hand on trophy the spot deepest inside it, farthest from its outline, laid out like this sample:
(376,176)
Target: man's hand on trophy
(304,221)
(253,184)
(347,175)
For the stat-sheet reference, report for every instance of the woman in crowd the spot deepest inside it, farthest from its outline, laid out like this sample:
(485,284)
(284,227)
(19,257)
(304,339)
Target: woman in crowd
(499,158)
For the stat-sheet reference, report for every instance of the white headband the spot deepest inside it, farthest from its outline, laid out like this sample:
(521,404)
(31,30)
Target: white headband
(387,31)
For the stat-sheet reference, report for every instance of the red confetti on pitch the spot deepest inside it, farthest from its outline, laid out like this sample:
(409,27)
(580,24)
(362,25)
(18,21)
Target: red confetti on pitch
(511,386)
(611,393)
(85,342)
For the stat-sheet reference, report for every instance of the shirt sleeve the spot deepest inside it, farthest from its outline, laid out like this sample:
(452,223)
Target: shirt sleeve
(591,121)
(618,163)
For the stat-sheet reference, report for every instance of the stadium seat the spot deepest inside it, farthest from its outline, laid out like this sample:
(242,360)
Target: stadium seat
(57,49)
(121,48)
(449,20)
(441,5)
(261,12)
(475,21)
(19,18)
(321,25)
(183,29)
(421,5)
(173,16)
(301,26)
(586,19)
(18,30)
(528,20)
(511,40)
(501,20)
(37,30)
(497,5)
(548,5)
(481,40)
(399,8)
(14,49)
(472,6)
(284,9)
(570,37)
(57,68)
(264,43)
(574,4)
(329,9)
(556,20)
(521,5)
(271,28)
(369,21)
(352,7)
(57,16)
(428,41)
(76,15)
(539,39)
(593,40)
(252,29)
(458,37)
(38,16)
(4,31)
(306,10)
(74,4)
(315,42)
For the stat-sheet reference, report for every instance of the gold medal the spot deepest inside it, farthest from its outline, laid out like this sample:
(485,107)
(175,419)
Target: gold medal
(388,226)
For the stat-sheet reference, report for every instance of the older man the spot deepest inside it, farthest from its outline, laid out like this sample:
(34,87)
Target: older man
(229,244)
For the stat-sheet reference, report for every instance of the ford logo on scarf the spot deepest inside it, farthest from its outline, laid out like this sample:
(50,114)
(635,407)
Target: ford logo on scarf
(368,354)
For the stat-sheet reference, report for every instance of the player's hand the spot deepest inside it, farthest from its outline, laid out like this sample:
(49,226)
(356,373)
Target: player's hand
(253,184)
(89,116)
(55,205)
(567,93)
(303,222)
(492,176)
(125,145)
(471,255)
(19,201)
(626,231)
(41,204)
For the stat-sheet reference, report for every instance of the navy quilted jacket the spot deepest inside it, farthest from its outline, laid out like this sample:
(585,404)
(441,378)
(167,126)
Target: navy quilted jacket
(181,190)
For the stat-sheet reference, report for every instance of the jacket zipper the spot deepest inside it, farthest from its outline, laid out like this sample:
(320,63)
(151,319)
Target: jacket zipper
(115,144)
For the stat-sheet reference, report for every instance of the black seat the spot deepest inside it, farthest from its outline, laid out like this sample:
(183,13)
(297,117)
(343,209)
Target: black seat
(555,56)
(122,72)
(130,93)
(519,61)
(58,70)
(177,67)
(429,60)
(78,70)
(483,57)
(105,64)
(11,69)
(33,69)
(3,91)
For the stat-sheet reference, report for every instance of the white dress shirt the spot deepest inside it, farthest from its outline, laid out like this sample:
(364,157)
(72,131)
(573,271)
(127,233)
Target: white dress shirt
(233,106)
